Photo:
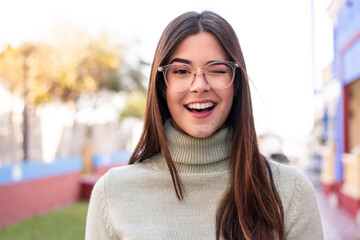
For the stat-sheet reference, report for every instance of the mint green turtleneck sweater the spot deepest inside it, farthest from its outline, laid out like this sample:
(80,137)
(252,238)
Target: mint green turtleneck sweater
(139,202)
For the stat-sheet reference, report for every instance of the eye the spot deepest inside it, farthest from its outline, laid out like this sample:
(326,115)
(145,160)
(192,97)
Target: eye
(218,69)
(181,71)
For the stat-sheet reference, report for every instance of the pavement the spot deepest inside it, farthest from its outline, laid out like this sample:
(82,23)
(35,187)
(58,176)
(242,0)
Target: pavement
(337,224)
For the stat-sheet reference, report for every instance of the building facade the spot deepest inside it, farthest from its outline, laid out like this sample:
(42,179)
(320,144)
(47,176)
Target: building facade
(340,174)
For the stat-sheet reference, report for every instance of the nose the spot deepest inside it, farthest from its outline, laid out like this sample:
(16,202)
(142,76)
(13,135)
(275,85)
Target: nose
(199,83)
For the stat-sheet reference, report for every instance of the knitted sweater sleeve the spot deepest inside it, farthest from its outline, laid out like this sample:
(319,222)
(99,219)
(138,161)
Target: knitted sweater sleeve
(97,222)
(303,220)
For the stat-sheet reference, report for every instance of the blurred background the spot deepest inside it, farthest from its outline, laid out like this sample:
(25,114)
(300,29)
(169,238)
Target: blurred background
(73,81)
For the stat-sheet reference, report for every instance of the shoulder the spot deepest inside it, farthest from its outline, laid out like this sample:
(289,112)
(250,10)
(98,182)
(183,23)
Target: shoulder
(128,173)
(288,176)
(298,196)
(113,193)
(137,175)
(290,183)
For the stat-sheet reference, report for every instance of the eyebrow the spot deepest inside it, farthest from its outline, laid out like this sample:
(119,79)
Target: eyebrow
(181,60)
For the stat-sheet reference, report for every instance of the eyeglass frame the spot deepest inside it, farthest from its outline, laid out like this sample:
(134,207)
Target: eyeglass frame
(231,64)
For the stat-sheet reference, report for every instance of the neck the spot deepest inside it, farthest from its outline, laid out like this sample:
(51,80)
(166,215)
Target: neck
(197,155)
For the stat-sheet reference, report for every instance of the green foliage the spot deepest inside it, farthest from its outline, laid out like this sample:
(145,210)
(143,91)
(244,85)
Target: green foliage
(13,62)
(135,106)
(64,224)
(133,76)
(42,73)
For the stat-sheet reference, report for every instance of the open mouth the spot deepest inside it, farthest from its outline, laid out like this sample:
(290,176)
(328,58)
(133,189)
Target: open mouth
(200,107)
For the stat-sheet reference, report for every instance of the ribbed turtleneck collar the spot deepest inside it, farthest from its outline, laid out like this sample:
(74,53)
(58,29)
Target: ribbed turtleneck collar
(196,155)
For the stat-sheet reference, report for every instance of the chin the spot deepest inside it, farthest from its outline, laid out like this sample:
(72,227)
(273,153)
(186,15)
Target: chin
(198,133)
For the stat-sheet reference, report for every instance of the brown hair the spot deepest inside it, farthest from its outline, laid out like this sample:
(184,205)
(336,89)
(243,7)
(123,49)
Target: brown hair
(251,207)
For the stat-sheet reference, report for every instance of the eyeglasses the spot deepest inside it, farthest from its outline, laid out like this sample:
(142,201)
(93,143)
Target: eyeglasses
(180,76)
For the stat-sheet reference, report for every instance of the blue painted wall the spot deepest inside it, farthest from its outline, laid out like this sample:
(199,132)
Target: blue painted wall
(104,160)
(32,170)
(351,62)
(27,171)
(347,66)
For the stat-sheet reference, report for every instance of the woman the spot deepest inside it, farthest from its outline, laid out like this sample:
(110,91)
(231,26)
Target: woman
(196,172)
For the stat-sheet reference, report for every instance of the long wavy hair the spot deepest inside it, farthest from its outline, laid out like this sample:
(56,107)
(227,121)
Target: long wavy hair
(251,207)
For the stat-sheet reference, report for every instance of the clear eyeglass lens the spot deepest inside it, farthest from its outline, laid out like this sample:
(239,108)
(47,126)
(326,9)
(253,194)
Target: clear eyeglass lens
(180,76)
(218,75)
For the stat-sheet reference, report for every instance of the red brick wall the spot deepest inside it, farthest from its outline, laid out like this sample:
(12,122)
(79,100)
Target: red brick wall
(29,198)
(349,204)
(88,183)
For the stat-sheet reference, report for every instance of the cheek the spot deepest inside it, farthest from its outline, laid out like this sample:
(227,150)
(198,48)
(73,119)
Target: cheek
(228,98)
(227,104)
(173,100)
(227,108)
(168,98)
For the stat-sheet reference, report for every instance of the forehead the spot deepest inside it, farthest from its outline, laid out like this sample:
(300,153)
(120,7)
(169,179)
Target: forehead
(199,49)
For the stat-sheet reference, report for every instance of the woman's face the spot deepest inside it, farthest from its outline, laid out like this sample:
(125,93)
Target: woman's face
(198,50)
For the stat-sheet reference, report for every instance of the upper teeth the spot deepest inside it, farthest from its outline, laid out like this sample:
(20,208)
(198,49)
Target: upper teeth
(200,105)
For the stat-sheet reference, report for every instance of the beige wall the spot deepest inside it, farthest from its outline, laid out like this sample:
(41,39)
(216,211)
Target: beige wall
(354,114)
